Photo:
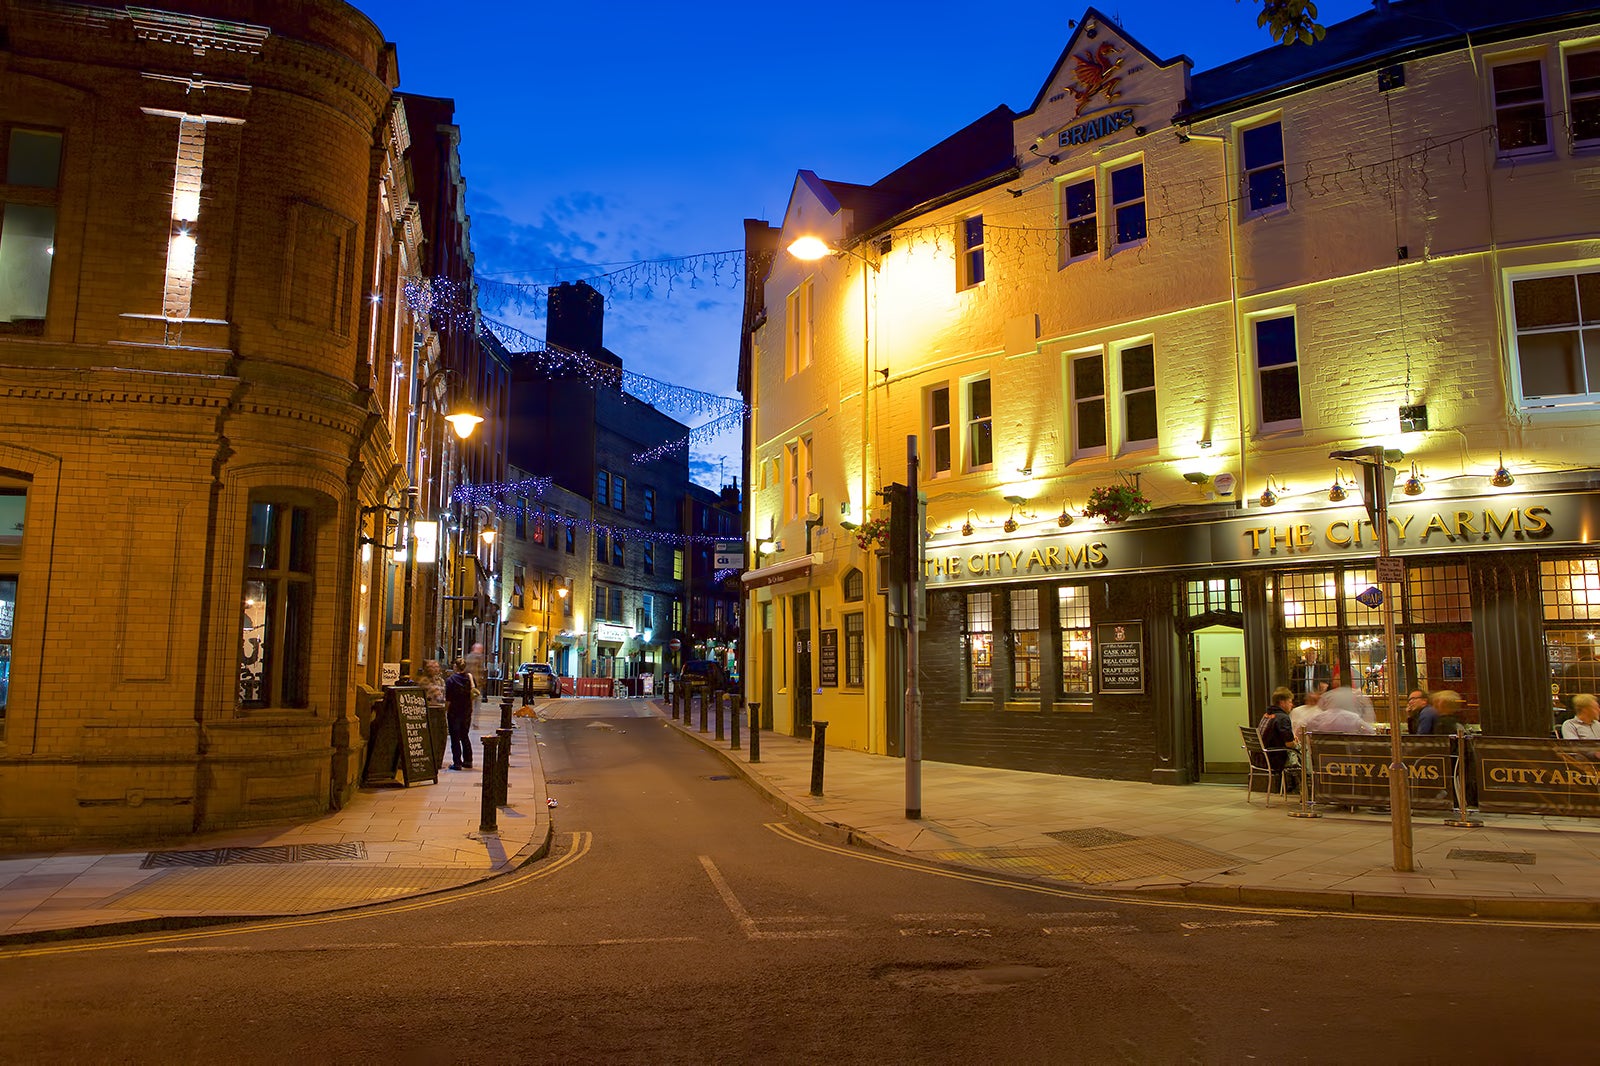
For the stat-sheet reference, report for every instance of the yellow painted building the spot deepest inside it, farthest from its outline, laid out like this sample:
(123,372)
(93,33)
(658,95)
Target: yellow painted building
(1194,286)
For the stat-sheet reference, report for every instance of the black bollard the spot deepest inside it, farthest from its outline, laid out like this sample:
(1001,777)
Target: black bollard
(755,731)
(491,763)
(502,778)
(819,730)
(505,711)
(734,702)
(705,698)
(719,715)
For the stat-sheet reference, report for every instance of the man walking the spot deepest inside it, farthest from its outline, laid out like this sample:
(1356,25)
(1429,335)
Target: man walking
(458,715)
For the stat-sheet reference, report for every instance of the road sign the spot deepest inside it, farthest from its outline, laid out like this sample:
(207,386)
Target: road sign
(1372,597)
(1391,569)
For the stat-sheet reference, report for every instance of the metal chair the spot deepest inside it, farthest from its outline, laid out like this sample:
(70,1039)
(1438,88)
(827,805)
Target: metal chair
(1261,766)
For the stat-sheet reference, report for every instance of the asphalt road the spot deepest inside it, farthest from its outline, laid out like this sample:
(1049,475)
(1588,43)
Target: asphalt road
(679,920)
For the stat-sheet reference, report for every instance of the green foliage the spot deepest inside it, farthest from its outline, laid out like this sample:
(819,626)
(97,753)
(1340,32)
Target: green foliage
(1291,21)
(872,531)
(1115,503)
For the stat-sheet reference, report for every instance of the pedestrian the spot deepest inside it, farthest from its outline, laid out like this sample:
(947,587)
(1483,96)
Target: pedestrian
(458,715)
(1585,721)
(433,682)
(475,669)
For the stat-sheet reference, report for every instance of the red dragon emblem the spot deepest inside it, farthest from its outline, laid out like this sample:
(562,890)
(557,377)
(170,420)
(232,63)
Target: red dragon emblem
(1097,76)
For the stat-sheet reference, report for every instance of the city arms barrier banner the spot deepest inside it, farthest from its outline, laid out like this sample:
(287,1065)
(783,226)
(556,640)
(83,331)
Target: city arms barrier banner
(1353,769)
(1537,775)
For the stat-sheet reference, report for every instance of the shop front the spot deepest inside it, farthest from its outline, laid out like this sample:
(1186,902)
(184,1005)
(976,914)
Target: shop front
(1136,651)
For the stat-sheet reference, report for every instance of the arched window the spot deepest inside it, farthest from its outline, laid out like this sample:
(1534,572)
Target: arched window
(854,586)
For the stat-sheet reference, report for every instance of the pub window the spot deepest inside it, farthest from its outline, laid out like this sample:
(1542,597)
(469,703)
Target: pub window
(1138,365)
(1127,206)
(1088,404)
(939,429)
(971,252)
(1583,98)
(1570,591)
(28,200)
(979,633)
(1025,642)
(275,619)
(1520,123)
(980,426)
(1277,373)
(1072,605)
(855,634)
(1218,594)
(1265,186)
(1557,323)
(1079,221)
(599,603)
(854,586)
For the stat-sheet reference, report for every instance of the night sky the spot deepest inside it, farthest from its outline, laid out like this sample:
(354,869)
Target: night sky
(596,136)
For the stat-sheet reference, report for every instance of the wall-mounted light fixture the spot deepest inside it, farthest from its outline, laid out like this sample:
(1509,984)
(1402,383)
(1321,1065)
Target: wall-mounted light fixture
(1413,417)
(966,527)
(1204,442)
(1501,478)
(1196,478)
(1268,497)
(1413,485)
(1338,493)
(1064,519)
(768,547)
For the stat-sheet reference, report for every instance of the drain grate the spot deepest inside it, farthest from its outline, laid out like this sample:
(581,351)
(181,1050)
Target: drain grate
(1094,837)
(1515,858)
(274,855)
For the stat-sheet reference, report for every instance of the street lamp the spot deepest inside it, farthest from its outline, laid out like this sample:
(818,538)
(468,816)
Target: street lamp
(1378,476)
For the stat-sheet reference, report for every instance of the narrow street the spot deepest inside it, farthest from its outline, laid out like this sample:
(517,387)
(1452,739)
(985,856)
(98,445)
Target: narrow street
(678,920)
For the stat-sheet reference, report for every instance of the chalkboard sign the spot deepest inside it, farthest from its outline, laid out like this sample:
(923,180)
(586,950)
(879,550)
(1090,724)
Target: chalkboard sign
(416,745)
(1119,651)
(828,666)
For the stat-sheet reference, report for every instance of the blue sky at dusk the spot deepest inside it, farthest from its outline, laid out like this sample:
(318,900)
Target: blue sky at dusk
(595,136)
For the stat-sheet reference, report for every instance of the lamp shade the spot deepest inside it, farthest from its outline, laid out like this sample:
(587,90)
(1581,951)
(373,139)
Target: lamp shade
(809,248)
(463,422)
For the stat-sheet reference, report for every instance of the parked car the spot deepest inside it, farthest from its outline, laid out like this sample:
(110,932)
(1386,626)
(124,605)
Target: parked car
(702,675)
(537,679)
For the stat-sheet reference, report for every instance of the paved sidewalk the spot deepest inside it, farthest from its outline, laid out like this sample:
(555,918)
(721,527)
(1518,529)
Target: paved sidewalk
(1200,842)
(385,844)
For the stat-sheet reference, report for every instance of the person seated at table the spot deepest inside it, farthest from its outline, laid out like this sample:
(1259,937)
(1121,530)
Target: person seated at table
(1277,737)
(1439,718)
(1415,704)
(1298,716)
(1585,721)
(1342,710)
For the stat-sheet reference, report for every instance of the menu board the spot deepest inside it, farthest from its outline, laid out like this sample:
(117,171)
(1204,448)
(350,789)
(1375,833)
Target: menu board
(828,665)
(1119,652)
(410,705)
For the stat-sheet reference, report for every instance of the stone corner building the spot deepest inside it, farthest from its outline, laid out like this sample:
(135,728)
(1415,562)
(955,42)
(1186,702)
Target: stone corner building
(206,369)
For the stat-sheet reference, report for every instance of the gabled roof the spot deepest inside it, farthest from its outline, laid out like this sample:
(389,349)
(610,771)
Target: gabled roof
(1391,32)
(1092,16)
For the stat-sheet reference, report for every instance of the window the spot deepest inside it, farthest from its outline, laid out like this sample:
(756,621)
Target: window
(980,425)
(602,546)
(855,586)
(677,614)
(8,616)
(1139,396)
(1557,322)
(1025,642)
(855,643)
(1521,127)
(602,487)
(522,522)
(797,347)
(1127,205)
(677,564)
(799,477)
(649,504)
(1278,373)
(519,581)
(599,603)
(32,168)
(649,557)
(616,605)
(979,639)
(647,611)
(1088,404)
(939,429)
(1081,221)
(971,270)
(1072,607)
(572,534)
(1261,149)
(619,492)
(275,632)
(697,609)
(617,556)
(1583,98)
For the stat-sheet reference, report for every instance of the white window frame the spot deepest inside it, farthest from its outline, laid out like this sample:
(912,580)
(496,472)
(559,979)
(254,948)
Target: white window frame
(936,429)
(1075,401)
(1115,207)
(1283,424)
(1559,401)
(1247,171)
(1124,392)
(1090,221)
(1588,97)
(792,498)
(798,311)
(971,422)
(971,268)
(1529,150)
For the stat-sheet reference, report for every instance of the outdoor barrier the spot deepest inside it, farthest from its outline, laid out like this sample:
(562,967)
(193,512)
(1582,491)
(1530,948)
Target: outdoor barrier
(1353,769)
(1536,775)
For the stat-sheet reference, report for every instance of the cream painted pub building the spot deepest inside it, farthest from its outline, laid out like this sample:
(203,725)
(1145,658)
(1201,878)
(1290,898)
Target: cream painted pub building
(1195,286)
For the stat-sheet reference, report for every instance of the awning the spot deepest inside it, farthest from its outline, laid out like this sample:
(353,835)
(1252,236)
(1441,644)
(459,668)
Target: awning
(777,573)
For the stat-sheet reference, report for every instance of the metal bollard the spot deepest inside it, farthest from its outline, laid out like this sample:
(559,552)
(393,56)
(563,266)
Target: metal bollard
(755,731)
(502,772)
(677,704)
(719,700)
(819,730)
(505,711)
(704,709)
(491,762)
(734,708)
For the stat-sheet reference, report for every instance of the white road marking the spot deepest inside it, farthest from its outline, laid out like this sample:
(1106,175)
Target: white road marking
(1071,930)
(976,934)
(746,922)
(501,944)
(220,950)
(1227,925)
(649,940)
(1057,916)
(938,917)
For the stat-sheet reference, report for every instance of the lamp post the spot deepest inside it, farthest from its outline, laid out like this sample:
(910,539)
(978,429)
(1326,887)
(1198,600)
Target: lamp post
(1378,476)
(463,422)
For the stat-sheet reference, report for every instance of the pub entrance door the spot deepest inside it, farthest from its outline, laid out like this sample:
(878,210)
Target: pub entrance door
(1219,688)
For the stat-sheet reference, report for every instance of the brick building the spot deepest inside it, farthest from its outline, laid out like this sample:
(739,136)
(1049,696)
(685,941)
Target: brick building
(713,589)
(1195,285)
(206,368)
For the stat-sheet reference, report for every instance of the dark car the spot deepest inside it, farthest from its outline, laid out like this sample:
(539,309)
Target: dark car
(702,675)
(537,679)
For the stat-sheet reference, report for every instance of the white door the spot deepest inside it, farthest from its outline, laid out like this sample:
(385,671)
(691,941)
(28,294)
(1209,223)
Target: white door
(1220,687)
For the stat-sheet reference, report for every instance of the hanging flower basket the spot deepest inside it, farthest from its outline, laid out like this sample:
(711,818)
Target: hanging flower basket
(871,532)
(1115,503)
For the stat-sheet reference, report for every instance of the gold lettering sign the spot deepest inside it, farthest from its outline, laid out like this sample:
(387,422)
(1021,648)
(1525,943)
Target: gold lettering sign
(1484,525)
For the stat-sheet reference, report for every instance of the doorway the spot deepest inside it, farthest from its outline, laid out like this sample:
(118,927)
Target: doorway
(1220,696)
(800,606)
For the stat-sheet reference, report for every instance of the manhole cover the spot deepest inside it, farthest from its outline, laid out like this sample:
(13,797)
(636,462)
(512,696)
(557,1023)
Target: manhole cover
(1515,858)
(274,855)
(1094,837)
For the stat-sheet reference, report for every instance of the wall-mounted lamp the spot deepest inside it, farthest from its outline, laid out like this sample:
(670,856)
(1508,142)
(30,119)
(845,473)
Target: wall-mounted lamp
(463,422)
(1501,478)
(1338,493)
(966,527)
(1010,524)
(1025,471)
(1413,485)
(1268,497)
(488,536)
(1064,519)
(1196,478)
(767,547)
(1204,442)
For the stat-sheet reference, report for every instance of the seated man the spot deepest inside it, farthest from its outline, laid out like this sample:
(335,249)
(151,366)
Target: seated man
(1440,717)
(1415,704)
(1585,721)
(1277,737)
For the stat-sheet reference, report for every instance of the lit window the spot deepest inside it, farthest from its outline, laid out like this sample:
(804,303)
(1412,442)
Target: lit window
(1521,126)
(855,638)
(1072,606)
(275,631)
(1557,324)
(855,586)
(1265,186)
(979,633)
(797,349)
(1081,221)
(1139,396)
(971,252)
(1583,98)
(1025,642)
(1088,405)
(32,168)
(939,429)
(1278,373)
(1127,205)
(980,425)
